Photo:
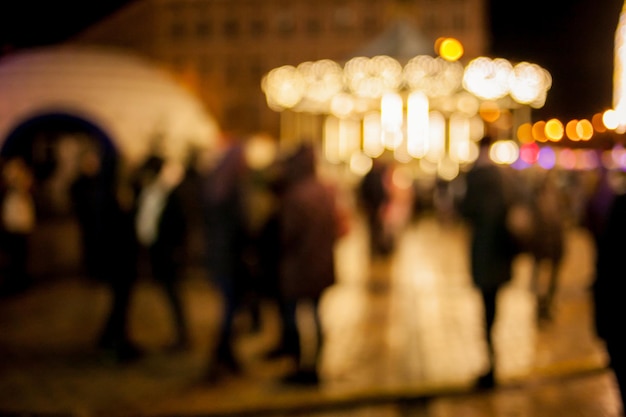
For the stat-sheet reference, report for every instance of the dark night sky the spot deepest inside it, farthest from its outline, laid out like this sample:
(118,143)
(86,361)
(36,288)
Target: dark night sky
(573,40)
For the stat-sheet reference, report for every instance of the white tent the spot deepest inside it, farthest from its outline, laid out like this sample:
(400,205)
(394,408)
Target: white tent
(124,95)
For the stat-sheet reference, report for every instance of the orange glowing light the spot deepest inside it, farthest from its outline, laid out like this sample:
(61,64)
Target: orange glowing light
(597,123)
(570,130)
(539,131)
(525,133)
(489,111)
(584,129)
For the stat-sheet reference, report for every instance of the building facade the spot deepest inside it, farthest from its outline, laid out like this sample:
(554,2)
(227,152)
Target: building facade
(221,49)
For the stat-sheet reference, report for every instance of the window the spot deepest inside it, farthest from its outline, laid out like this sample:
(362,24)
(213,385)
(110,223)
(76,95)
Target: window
(285,24)
(257,28)
(343,19)
(178,30)
(313,26)
(231,28)
(203,29)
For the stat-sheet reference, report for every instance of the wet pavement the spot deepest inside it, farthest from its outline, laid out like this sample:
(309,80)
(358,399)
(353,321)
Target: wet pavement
(404,338)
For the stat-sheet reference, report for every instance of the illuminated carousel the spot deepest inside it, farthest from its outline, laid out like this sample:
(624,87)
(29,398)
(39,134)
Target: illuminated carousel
(426,112)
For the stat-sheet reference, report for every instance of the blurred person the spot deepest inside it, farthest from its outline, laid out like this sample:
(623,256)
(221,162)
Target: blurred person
(18,223)
(608,286)
(105,216)
(547,241)
(373,196)
(227,244)
(161,226)
(484,207)
(309,228)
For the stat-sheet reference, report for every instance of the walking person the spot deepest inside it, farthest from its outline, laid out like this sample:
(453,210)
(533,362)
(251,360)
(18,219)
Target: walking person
(484,207)
(161,227)
(308,232)
(110,249)
(547,242)
(227,241)
(608,289)
(16,225)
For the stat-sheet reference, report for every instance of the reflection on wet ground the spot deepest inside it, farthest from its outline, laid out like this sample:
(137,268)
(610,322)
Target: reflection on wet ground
(403,329)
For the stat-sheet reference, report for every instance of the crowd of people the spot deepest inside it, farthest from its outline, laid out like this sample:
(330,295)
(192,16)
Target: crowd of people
(286,253)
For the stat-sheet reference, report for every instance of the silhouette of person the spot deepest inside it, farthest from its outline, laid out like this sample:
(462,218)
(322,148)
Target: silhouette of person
(308,232)
(546,241)
(161,227)
(373,196)
(608,288)
(484,207)
(18,222)
(106,222)
(227,242)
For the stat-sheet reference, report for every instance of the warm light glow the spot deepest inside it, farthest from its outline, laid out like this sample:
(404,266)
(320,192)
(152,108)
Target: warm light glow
(391,117)
(437,136)
(284,87)
(260,151)
(487,78)
(450,49)
(610,119)
(372,135)
(539,131)
(570,130)
(529,83)
(584,128)
(619,74)
(433,108)
(435,77)
(504,152)
(489,111)
(373,77)
(459,138)
(417,125)
(525,133)
(342,105)
(331,140)
(598,124)
(360,164)
(554,130)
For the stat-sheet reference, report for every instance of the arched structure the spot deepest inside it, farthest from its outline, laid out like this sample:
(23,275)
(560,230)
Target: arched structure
(109,92)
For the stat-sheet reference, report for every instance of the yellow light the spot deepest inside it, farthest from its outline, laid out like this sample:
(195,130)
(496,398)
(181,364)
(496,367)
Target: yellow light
(554,130)
(584,129)
(450,49)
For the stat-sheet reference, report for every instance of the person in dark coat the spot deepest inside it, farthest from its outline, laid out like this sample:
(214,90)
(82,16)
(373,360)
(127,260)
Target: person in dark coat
(227,242)
(110,247)
(17,223)
(608,289)
(374,196)
(484,207)
(547,242)
(161,226)
(308,232)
